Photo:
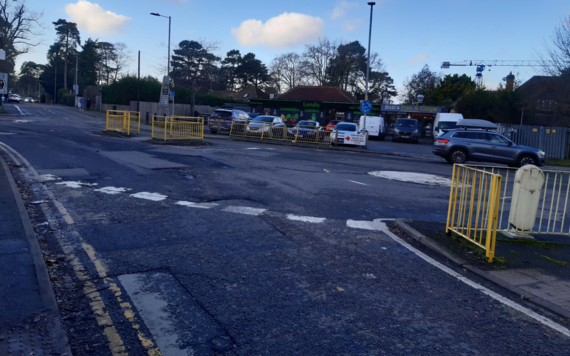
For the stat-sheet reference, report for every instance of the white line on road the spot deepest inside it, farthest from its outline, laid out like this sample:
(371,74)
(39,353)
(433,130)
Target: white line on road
(112,190)
(541,319)
(196,205)
(149,196)
(353,181)
(244,210)
(20,110)
(310,219)
(73,184)
(326,170)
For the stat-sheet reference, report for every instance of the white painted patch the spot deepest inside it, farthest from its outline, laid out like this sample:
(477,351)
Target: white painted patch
(541,319)
(326,170)
(253,148)
(73,184)
(48,177)
(369,276)
(37,202)
(20,110)
(375,225)
(196,205)
(112,190)
(149,196)
(22,121)
(411,177)
(384,248)
(310,219)
(244,210)
(353,181)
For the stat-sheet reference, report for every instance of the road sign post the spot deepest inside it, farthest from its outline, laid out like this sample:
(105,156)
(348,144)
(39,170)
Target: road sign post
(3,85)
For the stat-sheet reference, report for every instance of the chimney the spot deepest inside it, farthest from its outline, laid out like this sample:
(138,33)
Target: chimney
(510,81)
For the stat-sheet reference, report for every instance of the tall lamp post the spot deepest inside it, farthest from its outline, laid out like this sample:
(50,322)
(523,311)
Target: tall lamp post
(368,62)
(168,64)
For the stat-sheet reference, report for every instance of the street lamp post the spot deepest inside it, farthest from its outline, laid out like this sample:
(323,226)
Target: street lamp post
(368,62)
(168,64)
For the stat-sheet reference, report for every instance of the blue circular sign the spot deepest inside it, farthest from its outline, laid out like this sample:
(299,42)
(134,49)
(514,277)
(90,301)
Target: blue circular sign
(366,107)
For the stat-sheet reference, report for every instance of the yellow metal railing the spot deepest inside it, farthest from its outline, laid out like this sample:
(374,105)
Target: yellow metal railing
(177,128)
(269,131)
(123,121)
(552,216)
(474,206)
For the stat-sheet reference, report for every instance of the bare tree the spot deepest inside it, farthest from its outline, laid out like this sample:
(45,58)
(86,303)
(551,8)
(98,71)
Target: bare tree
(556,57)
(317,60)
(286,71)
(20,30)
(420,83)
(120,59)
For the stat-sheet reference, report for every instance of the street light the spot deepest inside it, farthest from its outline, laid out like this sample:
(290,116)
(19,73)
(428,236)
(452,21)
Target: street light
(368,63)
(169,19)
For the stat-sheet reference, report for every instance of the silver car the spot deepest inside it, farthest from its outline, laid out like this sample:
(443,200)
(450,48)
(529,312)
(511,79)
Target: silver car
(269,125)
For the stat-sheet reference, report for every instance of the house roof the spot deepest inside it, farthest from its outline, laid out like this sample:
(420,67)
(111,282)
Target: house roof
(314,93)
(250,92)
(539,86)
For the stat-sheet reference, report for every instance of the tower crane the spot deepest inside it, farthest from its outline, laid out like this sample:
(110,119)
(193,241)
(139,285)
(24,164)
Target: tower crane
(481,64)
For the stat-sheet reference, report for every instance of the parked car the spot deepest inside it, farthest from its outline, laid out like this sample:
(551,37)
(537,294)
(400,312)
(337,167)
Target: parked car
(305,129)
(331,125)
(343,129)
(272,126)
(14,98)
(472,141)
(406,130)
(29,99)
(222,119)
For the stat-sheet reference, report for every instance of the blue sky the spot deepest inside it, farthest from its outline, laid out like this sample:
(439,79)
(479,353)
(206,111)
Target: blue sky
(406,33)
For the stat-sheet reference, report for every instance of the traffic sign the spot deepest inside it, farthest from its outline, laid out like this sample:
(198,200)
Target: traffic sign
(171,93)
(3,83)
(366,106)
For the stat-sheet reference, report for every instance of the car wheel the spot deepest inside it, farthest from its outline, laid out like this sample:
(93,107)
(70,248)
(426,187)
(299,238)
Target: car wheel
(526,160)
(457,156)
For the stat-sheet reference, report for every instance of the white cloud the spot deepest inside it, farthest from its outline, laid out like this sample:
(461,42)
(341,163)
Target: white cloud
(342,8)
(94,20)
(422,57)
(285,30)
(351,25)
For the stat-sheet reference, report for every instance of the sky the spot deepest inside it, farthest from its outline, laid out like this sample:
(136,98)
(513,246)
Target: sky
(407,34)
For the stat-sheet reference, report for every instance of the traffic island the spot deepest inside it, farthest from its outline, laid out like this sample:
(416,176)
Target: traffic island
(178,142)
(536,270)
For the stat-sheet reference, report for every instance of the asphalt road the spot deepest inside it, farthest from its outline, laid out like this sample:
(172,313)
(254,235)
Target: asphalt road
(248,249)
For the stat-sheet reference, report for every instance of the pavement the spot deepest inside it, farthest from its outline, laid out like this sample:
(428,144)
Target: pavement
(29,316)
(242,248)
(537,270)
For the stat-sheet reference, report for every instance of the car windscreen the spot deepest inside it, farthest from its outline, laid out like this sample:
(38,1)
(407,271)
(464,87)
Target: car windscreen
(222,114)
(263,119)
(407,123)
(346,127)
(307,123)
(447,125)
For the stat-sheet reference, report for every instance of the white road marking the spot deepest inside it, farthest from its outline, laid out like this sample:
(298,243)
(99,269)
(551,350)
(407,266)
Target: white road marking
(47,177)
(353,181)
(196,205)
(411,177)
(310,219)
(149,196)
(73,184)
(112,190)
(381,226)
(244,210)
(326,170)
(253,148)
(366,225)
(20,110)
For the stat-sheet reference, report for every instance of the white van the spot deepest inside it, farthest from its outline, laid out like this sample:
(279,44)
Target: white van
(445,121)
(374,126)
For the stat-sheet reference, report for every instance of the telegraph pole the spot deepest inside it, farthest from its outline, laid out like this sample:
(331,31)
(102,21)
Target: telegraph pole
(139,85)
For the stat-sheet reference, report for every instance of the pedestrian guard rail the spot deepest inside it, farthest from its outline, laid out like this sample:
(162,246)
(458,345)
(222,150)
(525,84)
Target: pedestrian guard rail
(123,121)
(177,128)
(552,215)
(474,206)
(269,131)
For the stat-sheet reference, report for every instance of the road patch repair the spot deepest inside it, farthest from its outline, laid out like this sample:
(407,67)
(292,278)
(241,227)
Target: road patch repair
(536,270)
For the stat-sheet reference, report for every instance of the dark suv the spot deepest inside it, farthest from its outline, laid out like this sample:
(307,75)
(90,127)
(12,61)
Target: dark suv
(406,130)
(462,145)
(222,119)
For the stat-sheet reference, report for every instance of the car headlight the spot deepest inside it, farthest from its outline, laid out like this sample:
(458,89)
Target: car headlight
(396,131)
(541,153)
(415,131)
